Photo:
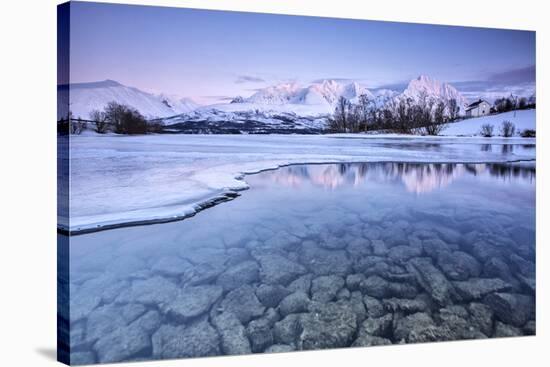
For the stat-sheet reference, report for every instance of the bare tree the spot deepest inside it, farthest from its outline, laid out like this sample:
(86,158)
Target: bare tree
(437,122)
(364,112)
(522,103)
(100,120)
(507,129)
(77,126)
(487,130)
(403,120)
(453,109)
(339,121)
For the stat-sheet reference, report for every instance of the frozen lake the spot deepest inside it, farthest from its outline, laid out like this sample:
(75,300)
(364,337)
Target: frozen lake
(319,256)
(119,180)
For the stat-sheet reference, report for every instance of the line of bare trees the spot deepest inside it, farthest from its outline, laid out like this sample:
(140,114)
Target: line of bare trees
(511,103)
(115,117)
(424,116)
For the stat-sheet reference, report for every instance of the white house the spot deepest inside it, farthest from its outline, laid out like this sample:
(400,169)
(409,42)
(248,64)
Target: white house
(478,108)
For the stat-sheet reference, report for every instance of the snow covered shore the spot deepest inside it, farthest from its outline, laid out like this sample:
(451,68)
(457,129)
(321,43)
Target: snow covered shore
(522,119)
(137,179)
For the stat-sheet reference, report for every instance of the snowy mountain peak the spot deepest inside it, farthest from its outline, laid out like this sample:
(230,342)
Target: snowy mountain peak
(276,94)
(431,88)
(322,93)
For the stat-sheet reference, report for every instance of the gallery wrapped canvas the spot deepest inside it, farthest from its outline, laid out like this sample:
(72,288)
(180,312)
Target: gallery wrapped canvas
(235,183)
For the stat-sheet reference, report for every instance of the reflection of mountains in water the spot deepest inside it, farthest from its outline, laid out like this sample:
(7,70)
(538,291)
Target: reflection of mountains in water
(417,177)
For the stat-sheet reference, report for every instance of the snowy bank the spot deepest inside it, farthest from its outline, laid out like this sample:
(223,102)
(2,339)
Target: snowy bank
(523,120)
(138,179)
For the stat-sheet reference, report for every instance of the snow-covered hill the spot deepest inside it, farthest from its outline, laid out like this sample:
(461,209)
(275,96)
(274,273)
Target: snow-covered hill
(85,97)
(523,120)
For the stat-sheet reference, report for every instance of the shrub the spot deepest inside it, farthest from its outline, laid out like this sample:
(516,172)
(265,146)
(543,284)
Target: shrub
(100,119)
(125,119)
(77,126)
(528,133)
(155,127)
(507,129)
(487,130)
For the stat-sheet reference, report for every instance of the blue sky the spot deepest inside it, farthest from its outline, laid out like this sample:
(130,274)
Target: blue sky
(213,55)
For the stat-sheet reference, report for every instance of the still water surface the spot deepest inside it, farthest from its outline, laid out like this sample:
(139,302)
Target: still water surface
(316,256)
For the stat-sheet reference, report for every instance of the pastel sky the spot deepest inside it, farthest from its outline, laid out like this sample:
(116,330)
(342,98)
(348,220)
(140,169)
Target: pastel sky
(212,55)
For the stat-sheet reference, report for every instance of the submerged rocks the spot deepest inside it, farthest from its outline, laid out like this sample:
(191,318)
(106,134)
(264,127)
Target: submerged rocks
(374,307)
(328,325)
(279,348)
(496,268)
(458,265)
(276,269)
(523,267)
(260,331)
(481,317)
(243,303)
(171,266)
(432,280)
(321,261)
(378,287)
(294,303)
(201,274)
(311,285)
(198,339)
(379,248)
(353,281)
(359,247)
(418,327)
(232,334)
(325,288)
(271,295)
(193,301)
(379,326)
(246,272)
(286,330)
(365,340)
(514,309)
(401,254)
(302,284)
(152,291)
(503,330)
(434,246)
(103,321)
(406,306)
(475,289)
(127,342)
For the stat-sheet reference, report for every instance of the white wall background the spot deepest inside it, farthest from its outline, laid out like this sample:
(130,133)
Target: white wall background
(28,182)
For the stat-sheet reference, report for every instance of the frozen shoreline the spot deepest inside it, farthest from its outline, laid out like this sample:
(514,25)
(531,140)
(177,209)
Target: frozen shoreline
(121,180)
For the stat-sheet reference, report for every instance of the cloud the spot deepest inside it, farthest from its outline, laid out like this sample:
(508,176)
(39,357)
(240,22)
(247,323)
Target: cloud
(518,81)
(341,80)
(218,98)
(248,79)
(397,86)
(515,76)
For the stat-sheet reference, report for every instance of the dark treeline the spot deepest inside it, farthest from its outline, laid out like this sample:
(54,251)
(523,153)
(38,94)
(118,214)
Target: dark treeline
(505,104)
(115,117)
(424,116)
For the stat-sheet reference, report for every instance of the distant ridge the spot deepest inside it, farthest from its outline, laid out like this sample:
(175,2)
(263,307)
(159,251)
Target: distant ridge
(85,97)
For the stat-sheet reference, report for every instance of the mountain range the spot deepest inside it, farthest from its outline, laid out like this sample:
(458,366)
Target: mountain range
(284,107)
